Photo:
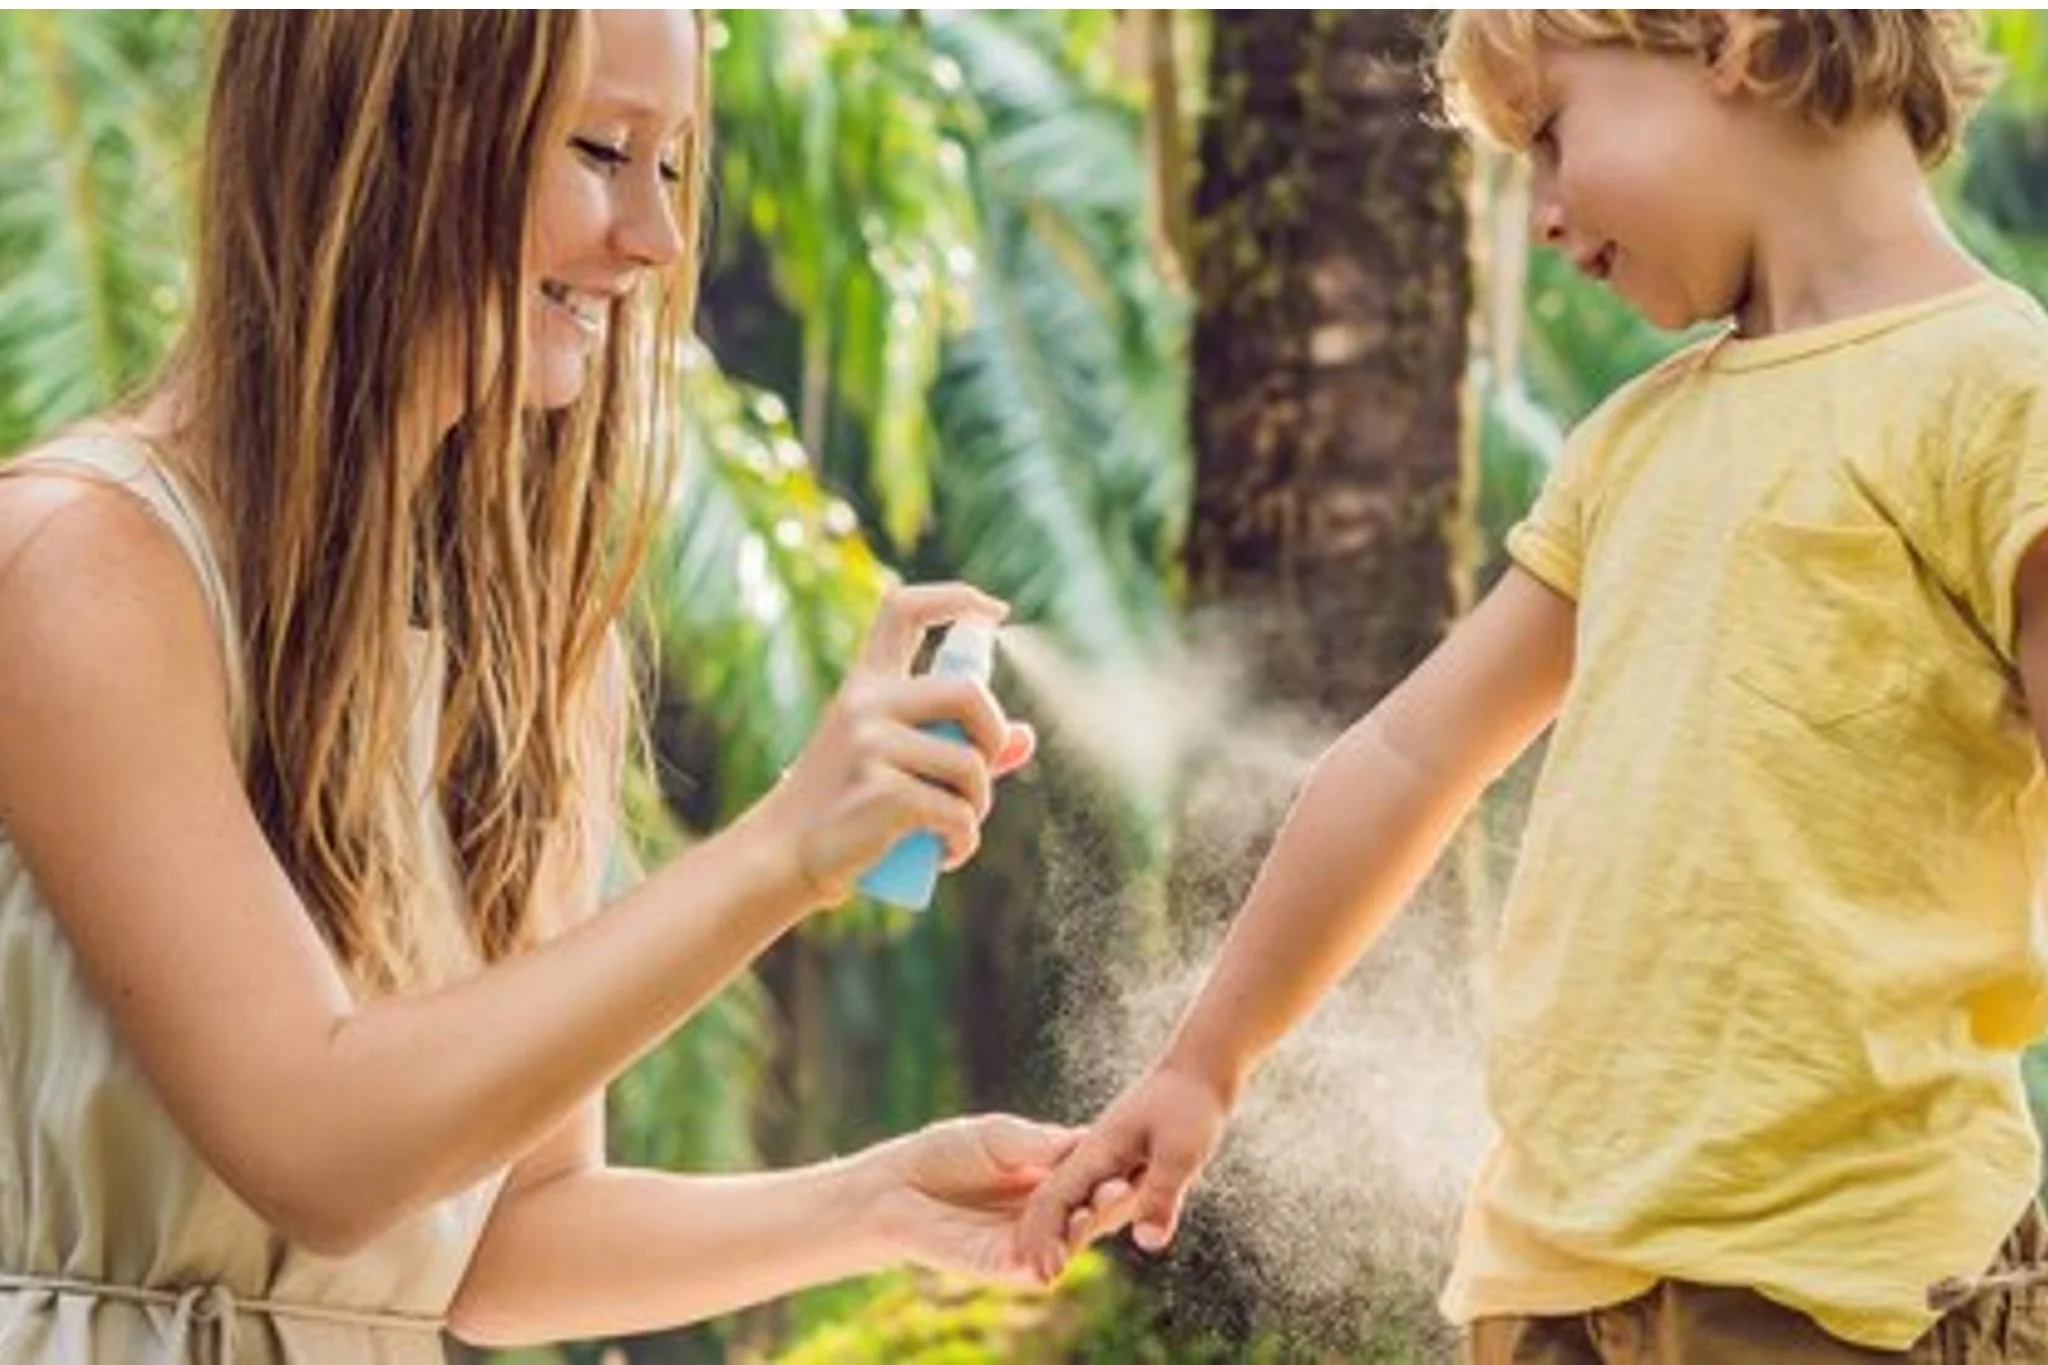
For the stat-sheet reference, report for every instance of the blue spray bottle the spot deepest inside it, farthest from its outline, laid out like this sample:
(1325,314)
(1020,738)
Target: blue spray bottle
(908,873)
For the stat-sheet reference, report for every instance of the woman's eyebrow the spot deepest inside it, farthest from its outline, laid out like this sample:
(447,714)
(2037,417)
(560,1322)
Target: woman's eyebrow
(639,109)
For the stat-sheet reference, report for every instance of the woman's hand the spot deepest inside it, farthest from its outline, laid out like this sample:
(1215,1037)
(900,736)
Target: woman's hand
(871,775)
(948,1195)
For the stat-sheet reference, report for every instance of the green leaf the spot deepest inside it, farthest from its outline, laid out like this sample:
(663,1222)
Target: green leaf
(831,130)
(759,585)
(1061,403)
(97,114)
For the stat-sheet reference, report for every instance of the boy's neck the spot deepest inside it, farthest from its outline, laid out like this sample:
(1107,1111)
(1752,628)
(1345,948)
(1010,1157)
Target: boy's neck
(1847,225)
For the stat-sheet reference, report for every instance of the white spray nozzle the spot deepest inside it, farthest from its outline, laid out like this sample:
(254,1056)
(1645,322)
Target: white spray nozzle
(966,650)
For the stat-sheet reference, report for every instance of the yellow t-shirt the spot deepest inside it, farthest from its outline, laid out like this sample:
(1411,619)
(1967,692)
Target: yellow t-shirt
(1772,945)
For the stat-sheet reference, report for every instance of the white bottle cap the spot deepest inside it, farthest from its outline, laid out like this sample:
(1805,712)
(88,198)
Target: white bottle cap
(966,650)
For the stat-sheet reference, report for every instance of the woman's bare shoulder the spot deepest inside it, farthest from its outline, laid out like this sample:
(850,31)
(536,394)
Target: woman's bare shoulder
(93,580)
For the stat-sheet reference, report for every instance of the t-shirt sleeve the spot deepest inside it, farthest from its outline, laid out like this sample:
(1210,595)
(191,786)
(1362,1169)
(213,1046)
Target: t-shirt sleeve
(1996,503)
(1550,541)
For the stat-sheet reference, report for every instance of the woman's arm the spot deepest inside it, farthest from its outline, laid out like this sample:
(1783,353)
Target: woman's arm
(617,1252)
(592,1252)
(333,1119)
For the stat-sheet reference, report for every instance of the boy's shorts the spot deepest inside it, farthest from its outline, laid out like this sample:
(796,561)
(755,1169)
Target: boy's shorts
(1691,1324)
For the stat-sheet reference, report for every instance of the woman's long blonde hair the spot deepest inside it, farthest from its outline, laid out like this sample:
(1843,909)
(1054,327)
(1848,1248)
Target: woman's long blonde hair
(364,202)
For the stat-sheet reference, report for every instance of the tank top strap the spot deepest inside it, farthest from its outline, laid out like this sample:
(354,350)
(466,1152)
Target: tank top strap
(131,466)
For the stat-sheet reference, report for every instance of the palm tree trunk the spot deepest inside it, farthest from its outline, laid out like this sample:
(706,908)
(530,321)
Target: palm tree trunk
(1331,532)
(1329,352)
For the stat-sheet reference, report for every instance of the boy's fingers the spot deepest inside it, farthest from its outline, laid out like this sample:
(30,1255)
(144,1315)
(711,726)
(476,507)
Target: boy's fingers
(1109,1194)
(1108,1211)
(1042,1229)
(1159,1199)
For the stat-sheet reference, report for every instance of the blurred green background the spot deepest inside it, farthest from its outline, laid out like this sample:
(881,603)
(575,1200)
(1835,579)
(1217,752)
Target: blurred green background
(1171,327)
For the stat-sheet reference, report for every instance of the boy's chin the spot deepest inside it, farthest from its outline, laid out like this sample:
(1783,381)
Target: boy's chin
(1667,316)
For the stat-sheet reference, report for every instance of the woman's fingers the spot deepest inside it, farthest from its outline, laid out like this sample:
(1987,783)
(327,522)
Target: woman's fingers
(1017,749)
(959,701)
(908,612)
(918,804)
(1016,1144)
(930,758)
(890,758)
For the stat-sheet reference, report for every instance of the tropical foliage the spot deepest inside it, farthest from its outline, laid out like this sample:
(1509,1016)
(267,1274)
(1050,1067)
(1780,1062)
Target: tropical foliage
(941,339)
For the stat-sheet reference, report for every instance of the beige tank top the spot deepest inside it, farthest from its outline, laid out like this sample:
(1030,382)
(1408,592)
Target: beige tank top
(117,1242)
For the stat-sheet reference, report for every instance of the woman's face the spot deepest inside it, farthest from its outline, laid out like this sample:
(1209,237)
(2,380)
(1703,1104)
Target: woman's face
(604,197)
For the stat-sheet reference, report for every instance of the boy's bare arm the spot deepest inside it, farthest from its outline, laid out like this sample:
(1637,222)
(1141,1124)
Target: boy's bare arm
(1372,819)
(1368,825)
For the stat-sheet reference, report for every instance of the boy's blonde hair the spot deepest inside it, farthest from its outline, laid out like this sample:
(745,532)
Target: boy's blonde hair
(1834,67)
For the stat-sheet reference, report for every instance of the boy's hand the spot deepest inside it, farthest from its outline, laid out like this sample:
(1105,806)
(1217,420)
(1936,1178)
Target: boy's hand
(1135,1164)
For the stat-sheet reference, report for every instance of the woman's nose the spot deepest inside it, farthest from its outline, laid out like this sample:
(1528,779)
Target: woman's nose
(647,232)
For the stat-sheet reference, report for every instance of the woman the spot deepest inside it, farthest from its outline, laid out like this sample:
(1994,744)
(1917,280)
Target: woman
(311,724)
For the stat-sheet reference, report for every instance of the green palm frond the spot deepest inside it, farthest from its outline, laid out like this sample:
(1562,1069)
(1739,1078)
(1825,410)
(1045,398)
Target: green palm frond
(2020,257)
(2020,37)
(760,584)
(1582,342)
(2002,183)
(833,151)
(1055,493)
(97,124)
(1061,404)
(1519,441)
(1047,137)
(1061,467)
(689,1103)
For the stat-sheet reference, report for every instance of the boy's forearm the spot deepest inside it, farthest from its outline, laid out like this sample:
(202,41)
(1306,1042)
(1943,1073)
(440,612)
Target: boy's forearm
(1369,824)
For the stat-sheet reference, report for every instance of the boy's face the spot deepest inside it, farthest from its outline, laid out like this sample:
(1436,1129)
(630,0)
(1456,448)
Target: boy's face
(1639,179)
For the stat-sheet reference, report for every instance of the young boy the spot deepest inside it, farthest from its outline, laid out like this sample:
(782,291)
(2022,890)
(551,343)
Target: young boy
(1772,948)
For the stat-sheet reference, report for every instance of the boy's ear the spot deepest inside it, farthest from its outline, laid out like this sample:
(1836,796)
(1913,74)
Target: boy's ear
(1726,79)
(1728,62)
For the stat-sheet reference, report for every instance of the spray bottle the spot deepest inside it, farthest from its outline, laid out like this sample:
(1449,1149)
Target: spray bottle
(907,873)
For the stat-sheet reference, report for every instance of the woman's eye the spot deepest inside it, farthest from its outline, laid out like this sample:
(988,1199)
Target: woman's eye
(672,173)
(599,153)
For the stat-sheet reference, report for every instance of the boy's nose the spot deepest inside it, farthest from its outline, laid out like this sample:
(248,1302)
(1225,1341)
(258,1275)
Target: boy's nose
(1546,220)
